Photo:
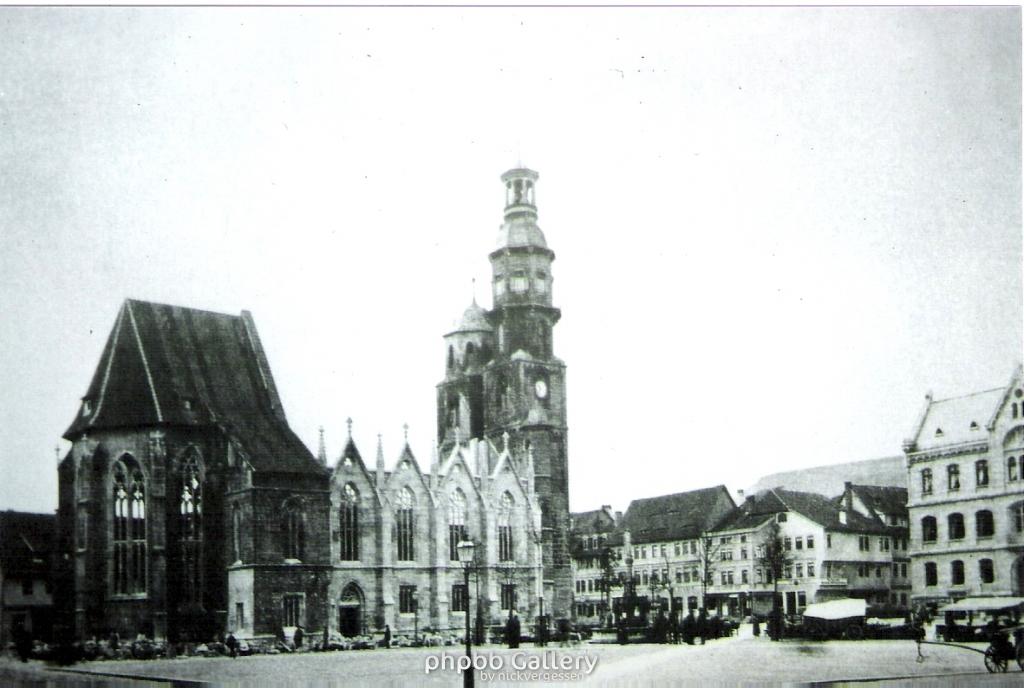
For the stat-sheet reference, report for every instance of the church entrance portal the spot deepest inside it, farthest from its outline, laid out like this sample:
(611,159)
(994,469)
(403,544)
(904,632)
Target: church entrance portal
(350,611)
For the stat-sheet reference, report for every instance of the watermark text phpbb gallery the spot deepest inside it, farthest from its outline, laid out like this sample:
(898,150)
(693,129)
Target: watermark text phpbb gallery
(549,665)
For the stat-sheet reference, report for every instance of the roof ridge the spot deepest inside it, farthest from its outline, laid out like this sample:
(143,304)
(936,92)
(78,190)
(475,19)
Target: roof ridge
(971,394)
(182,308)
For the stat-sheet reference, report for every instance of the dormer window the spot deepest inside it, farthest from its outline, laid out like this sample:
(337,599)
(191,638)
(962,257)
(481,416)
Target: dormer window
(86,408)
(499,285)
(518,284)
(974,425)
(938,432)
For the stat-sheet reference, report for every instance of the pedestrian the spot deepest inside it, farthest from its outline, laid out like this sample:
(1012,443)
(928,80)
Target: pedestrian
(757,627)
(298,637)
(702,625)
(689,627)
(232,644)
(387,636)
(515,631)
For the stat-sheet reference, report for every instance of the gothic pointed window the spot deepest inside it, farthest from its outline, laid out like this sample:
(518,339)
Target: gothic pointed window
(294,531)
(456,522)
(506,551)
(348,523)
(236,532)
(129,529)
(190,506)
(405,525)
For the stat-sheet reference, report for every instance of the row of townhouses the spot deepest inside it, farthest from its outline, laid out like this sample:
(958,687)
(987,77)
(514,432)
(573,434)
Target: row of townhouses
(954,528)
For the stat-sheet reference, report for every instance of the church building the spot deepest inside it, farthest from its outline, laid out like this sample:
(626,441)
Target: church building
(188,507)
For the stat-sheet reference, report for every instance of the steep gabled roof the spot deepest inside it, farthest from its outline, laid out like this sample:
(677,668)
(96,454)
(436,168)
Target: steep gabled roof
(958,420)
(26,543)
(172,366)
(678,516)
(824,511)
(592,522)
(883,499)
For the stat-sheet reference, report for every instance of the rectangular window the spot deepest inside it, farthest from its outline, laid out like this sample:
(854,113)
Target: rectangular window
(884,543)
(686,575)
(677,548)
(743,552)
(931,574)
(801,599)
(799,570)
(508,596)
(459,597)
(292,610)
(759,575)
(787,544)
(828,540)
(406,599)
(981,472)
(726,555)
(518,284)
(926,481)
(810,542)
(810,569)
(239,615)
(744,576)
(799,542)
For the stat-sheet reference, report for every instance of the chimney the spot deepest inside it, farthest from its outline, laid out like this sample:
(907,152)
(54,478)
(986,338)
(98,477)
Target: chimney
(848,495)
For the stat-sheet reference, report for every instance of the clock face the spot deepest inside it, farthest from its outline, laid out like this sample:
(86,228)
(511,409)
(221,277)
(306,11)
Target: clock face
(541,388)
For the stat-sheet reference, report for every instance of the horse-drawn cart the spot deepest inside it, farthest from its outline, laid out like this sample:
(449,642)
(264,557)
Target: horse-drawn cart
(1003,632)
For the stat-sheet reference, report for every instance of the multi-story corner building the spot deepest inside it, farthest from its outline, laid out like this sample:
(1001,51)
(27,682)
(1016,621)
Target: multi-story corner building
(700,549)
(26,564)
(188,507)
(593,562)
(848,546)
(658,544)
(965,472)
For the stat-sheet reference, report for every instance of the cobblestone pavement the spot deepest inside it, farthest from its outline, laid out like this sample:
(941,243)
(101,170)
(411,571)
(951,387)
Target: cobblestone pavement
(727,661)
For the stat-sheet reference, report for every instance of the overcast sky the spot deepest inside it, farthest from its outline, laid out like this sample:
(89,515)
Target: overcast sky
(776,229)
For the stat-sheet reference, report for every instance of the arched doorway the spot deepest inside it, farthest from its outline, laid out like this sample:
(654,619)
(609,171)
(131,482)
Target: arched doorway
(350,611)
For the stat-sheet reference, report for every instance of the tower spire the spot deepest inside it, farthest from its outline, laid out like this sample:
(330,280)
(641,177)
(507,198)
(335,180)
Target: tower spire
(322,449)
(348,422)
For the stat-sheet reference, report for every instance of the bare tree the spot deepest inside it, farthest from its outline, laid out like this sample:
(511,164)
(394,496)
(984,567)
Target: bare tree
(608,559)
(773,556)
(707,560)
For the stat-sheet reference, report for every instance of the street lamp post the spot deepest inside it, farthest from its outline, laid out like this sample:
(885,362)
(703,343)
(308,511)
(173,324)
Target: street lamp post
(465,550)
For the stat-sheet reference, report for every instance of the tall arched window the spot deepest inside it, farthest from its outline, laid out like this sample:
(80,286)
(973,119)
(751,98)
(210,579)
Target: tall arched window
(456,522)
(190,506)
(986,572)
(984,524)
(1017,515)
(405,536)
(926,481)
(1011,467)
(953,477)
(236,532)
(981,473)
(929,529)
(348,523)
(294,531)
(129,529)
(505,550)
(956,526)
(956,572)
(931,573)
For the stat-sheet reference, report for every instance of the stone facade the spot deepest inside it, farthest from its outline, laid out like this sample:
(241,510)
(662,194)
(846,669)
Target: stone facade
(188,507)
(964,471)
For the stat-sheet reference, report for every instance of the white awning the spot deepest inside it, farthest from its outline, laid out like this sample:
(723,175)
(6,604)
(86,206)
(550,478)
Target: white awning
(837,609)
(984,604)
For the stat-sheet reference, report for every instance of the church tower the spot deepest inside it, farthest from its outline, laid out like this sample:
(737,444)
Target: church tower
(502,376)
